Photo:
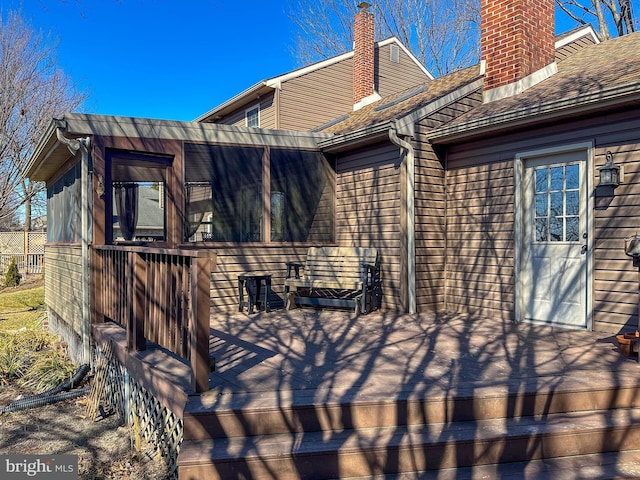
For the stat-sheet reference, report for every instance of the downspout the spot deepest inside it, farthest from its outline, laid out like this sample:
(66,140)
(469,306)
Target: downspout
(411,220)
(82,144)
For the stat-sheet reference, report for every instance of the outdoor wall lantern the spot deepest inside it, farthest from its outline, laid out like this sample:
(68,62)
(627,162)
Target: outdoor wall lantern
(609,172)
(100,186)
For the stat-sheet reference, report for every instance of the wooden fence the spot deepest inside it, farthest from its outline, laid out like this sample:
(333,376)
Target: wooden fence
(26,247)
(159,295)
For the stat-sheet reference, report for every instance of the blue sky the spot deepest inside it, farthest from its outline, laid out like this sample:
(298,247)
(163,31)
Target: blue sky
(165,58)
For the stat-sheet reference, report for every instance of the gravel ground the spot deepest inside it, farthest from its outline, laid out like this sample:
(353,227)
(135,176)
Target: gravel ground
(105,449)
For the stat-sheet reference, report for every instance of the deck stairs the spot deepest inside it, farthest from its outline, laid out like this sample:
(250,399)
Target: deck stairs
(579,433)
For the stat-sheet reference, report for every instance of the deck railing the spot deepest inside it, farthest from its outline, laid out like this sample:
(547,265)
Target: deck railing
(159,295)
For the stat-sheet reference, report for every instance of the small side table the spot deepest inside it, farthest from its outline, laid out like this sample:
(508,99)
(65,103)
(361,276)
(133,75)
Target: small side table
(252,282)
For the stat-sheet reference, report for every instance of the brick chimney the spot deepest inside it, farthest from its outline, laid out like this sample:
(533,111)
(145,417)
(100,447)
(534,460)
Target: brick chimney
(518,45)
(364,54)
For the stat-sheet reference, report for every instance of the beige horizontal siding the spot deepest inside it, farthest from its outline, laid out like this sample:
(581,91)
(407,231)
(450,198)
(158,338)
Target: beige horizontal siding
(267,113)
(368,210)
(481,217)
(63,284)
(317,97)
(392,77)
(430,208)
(473,214)
(236,260)
(615,292)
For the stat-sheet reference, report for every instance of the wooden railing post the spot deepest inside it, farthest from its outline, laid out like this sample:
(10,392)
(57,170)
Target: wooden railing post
(199,323)
(135,334)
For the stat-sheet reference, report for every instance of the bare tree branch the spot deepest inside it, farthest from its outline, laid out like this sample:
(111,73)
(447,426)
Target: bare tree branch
(607,15)
(33,90)
(442,34)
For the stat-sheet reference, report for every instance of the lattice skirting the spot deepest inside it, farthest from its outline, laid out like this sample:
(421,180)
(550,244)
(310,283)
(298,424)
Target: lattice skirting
(114,389)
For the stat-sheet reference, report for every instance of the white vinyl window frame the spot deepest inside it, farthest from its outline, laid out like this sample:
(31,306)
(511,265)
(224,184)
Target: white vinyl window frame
(252,116)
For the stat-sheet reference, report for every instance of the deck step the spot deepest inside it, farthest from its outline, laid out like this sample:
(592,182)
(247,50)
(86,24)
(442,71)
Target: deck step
(270,418)
(601,466)
(410,448)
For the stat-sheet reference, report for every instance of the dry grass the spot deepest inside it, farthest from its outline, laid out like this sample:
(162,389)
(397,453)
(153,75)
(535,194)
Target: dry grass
(33,361)
(23,306)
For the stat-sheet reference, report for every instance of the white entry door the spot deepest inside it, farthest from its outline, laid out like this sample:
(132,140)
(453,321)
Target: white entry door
(554,276)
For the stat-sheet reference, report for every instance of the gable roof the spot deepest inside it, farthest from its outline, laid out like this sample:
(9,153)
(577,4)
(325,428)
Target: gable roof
(613,70)
(270,84)
(597,76)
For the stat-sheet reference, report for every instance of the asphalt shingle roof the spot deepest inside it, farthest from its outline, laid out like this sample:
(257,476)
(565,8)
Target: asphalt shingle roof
(401,104)
(589,70)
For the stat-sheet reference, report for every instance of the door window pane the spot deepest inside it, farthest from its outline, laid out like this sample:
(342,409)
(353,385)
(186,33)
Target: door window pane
(542,181)
(557,204)
(573,229)
(573,203)
(573,177)
(555,229)
(557,178)
(541,230)
(542,205)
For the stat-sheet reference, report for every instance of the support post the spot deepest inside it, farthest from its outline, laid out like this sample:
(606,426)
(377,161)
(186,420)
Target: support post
(199,323)
(135,336)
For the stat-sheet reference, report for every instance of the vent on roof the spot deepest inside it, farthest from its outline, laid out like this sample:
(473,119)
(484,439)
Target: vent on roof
(401,98)
(330,123)
(395,53)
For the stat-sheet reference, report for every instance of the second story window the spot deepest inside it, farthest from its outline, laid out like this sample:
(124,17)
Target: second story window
(252,117)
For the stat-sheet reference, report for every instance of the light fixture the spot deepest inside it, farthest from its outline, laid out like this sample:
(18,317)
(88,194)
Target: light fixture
(100,186)
(609,172)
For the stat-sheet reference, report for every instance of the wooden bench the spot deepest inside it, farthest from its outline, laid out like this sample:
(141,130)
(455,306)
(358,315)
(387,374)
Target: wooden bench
(335,277)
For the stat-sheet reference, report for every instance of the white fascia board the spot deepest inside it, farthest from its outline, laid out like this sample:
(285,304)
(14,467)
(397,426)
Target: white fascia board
(249,91)
(586,31)
(276,82)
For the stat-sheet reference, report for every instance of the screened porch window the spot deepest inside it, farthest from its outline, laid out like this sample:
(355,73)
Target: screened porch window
(138,197)
(227,199)
(64,208)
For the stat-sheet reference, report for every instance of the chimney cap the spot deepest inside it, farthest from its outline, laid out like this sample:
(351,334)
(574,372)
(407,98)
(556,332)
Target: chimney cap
(363,5)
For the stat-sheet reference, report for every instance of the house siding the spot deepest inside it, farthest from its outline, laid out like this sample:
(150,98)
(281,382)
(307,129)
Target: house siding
(268,113)
(481,215)
(313,99)
(392,77)
(63,293)
(235,260)
(430,208)
(368,209)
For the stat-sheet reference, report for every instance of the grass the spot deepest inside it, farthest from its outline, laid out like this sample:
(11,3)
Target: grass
(31,360)
(21,308)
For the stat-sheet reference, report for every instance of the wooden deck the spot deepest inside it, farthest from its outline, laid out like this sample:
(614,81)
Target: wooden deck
(325,394)
(328,355)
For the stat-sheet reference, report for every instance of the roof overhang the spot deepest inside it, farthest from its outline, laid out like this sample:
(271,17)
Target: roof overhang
(357,138)
(248,96)
(605,99)
(50,154)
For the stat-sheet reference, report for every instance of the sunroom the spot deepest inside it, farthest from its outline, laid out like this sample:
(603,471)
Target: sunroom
(132,195)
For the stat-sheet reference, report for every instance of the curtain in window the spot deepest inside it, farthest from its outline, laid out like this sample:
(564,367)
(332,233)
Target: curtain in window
(198,203)
(127,205)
